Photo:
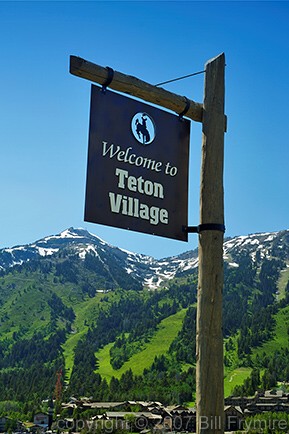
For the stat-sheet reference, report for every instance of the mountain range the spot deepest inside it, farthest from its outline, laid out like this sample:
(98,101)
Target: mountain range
(121,325)
(150,272)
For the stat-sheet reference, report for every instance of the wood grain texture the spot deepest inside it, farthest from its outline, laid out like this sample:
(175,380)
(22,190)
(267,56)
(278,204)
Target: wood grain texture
(209,338)
(135,87)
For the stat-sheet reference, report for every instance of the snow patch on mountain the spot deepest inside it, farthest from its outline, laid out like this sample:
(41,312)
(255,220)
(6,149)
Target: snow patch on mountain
(46,252)
(87,249)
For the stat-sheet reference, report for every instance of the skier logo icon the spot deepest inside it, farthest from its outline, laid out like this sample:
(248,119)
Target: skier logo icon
(143,128)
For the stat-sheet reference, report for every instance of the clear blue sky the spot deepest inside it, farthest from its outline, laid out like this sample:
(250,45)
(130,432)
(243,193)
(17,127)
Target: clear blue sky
(44,110)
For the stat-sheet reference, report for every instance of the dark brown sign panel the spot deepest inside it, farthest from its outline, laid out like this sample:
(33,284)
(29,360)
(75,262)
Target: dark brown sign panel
(137,172)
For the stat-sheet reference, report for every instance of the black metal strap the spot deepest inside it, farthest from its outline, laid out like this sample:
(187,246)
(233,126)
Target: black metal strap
(186,109)
(205,227)
(110,74)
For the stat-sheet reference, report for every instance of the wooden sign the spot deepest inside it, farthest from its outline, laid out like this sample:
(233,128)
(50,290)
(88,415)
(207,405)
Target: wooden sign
(137,172)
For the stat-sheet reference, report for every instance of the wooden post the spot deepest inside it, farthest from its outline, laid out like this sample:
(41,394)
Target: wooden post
(209,338)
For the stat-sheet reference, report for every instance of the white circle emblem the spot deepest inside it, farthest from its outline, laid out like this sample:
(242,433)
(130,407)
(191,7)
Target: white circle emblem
(143,128)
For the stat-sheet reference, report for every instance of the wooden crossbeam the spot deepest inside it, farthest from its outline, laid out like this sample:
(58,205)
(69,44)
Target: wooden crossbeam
(136,87)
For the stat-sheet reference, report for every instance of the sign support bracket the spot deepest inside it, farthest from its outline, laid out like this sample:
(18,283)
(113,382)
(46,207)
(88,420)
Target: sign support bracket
(204,227)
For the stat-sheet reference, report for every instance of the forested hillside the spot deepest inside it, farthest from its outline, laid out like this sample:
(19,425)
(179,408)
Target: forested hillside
(114,325)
